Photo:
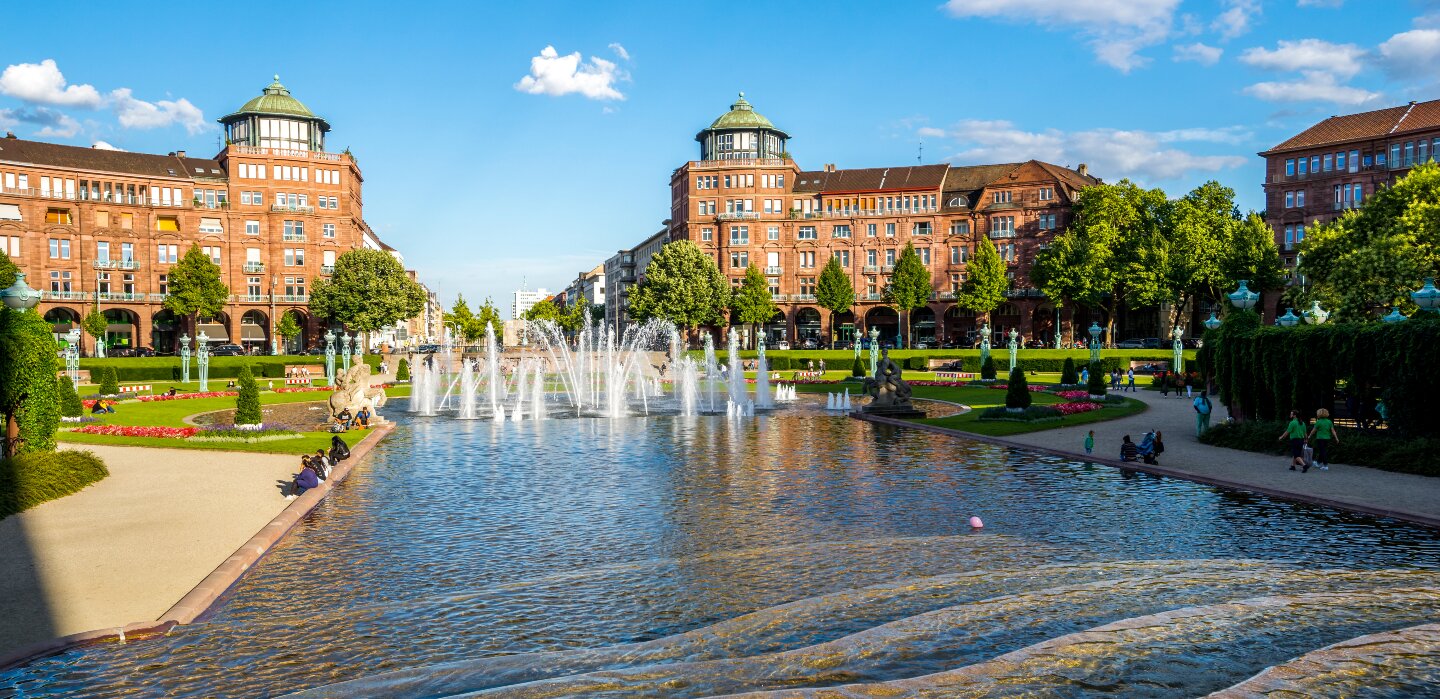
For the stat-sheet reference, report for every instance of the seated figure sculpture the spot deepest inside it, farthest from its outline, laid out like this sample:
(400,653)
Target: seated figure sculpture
(353,391)
(889,394)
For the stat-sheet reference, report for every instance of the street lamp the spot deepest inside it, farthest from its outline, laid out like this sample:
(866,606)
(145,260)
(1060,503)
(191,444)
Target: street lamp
(1177,333)
(1212,323)
(1243,298)
(202,358)
(1428,297)
(1014,346)
(1095,342)
(72,356)
(19,296)
(345,358)
(1316,315)
(1289,320)
(185,357)
(1395,316)
(330,357)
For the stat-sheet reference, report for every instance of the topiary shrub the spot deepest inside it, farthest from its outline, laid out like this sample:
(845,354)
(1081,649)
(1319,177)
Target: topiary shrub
(1017,395)
(29,479)
(247,404)
(1068,375)
(70,404)
(987,369)
(402,372)
(109,382)
(917,364)
(858,368)
(28,392)
(1096,386)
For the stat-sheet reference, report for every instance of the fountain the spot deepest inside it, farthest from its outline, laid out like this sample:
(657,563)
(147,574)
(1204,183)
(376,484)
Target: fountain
(711,370)
(762,375)
(737,370)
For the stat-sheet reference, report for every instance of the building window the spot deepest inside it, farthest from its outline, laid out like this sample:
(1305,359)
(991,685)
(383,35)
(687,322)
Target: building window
(844,257)
(253,287)
(1304,165)
(772,233)
(295,230)
(102,280)
(127,283)
(294,286)
(959,228)
(1328,163)
(294,257)
(102,250)
(59,249)
(924,256)
(890,257)
(213,253)
(955,281)
(1002,227)
(327,230)
(870,258)
(920,228)
(870,230)
(1359,193)
(1314,163)
(1290,167)
(805,233)
(739,235)
(1007,252)
(1047,222)
(167,254)
(707,234)
(59,216)
(774,285)
(807,286)
(1300,199)
(739,259)
(807,258)
(1001,197)
(840,232)
(1340,161)
(1046,194)
(59,281)
(889,230)
(1289,200)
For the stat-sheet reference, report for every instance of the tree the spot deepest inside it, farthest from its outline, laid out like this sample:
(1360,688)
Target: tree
(195,289)
(368,291)
(70,403)
(8,270)
(1372,258)
(402,372)
(1250,254)
(834,291)
(466,325)
(752,304)
(29,395)
(1017,393)
(1096,384)
(544,310)
(95,324)
(909,287)
(858,367)
(109,382)
(247,403)
(683,285)
(1068,375)
(1192,248)
(489,315)
(985,283)
(288,327)
(987,369)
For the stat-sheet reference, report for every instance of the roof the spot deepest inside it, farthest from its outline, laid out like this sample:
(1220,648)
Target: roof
(740,116)
(104,160)
(973,177)
(276,100)
(1377,124)
(872,179)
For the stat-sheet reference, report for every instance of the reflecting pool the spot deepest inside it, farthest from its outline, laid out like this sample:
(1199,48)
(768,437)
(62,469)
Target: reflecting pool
(780,554)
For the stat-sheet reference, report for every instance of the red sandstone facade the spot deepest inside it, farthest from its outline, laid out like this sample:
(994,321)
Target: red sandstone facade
(100,229)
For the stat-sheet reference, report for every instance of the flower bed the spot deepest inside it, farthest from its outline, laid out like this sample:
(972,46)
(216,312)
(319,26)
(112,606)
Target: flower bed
(1076,408)
(1072,395)
(1034,413)
(187,396)
(307,389)
(266,432)
(1033,388)
(126,431)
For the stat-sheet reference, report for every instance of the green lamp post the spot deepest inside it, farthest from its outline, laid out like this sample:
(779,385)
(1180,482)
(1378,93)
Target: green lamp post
(1428,297)
(1395,316)
(1095,331)
(1289,320)
(1213,323)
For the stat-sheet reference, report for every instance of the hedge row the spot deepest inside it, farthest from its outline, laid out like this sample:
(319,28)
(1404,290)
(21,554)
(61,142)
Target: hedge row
(1375,449)
(30,479)
(130,369)
(1049,361)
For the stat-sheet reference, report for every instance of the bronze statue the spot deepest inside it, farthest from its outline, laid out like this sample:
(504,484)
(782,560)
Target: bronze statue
(889,394)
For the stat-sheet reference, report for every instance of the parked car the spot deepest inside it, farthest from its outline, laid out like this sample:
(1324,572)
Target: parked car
(427,349)
(1034,344)
(227,351)
(1192,343)
(809,343)
(1132,343)
(144,351)
(782,345)
(864,343)
(921,345)
(1153,343)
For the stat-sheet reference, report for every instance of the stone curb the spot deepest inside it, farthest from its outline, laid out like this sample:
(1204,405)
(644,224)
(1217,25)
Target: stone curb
(1411,517)
(200,599)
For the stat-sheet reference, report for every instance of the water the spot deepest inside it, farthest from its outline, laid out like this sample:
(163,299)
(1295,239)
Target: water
(697,556)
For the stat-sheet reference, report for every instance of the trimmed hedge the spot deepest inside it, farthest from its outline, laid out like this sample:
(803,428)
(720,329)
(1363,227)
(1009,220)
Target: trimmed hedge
(402,372)
(1048,361)
(1097,380)
(247,403)
(133,369)
(859,367)
(1017,392)
(1376,449)
(1069,376)
(1032,414)
(987,369)
(109,381)
(70,404)
(30,479)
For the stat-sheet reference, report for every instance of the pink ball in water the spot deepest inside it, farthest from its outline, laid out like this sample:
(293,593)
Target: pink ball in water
(976,523)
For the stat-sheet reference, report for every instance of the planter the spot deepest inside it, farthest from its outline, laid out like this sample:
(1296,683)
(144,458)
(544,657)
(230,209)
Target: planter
(1015,411)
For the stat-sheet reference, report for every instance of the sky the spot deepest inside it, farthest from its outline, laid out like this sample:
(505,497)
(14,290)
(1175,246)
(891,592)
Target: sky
(523,143)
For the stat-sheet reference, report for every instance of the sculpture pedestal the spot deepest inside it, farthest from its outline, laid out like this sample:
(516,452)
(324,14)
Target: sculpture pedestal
(905,411)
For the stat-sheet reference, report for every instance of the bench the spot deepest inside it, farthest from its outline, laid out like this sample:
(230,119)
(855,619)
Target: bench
(1149,366)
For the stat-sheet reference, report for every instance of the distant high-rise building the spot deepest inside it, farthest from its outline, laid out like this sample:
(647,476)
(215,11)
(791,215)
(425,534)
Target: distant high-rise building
(524,299)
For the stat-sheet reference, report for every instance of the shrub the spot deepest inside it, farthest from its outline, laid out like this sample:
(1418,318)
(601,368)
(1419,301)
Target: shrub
(1382,449)
(70,405)
(858,368)
(247,403)
(30,479)
(402,372)
(1031,414)
(109,382)
(777,363)
(28,392)
(917,364)
(987,369)
(1017,394)
(1068,375)
(1096,385)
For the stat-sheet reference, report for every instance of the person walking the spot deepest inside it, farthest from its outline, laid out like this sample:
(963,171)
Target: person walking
(1295,432)
(1321,435)
(1164,385)
(1090,442)
(1131,376)
(1202,413)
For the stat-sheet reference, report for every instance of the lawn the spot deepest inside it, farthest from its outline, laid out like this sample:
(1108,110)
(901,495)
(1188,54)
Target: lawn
(979,398)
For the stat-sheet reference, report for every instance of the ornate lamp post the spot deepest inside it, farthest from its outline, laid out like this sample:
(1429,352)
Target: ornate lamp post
(1179,365)
(1057,327)
(984,343)
(345,358)
(1014,345)
(72,356)
(1316,315)
(1095,331)
(1395,316)
(359,346)
(330,357)
(185,357)
(1243,298)
(1212,323)
(874,349)
(19,296)
(202,358)
(1289,320)
(1428,297)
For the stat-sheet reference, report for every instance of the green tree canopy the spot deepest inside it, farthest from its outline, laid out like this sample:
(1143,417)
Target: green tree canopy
(985,282)
(368,291)
(95,324)
(1250,254)
(463,320)
(489,315)
(909,287)
(544,310)
(1371,258)
(752,304)
(682,285)
(195,287)
(834,291)
(8,270)
(288,326)
(29,394)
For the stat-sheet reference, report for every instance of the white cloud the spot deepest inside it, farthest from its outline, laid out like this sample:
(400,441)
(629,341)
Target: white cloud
(52,123)
(139,114)
(1235,21)
(555,75)
(1320,3)
(930,132)
(1414,52)
(1226,134)
(1314,86)
(620,51)
(42,83)
(1110,153)
(101,145)
(1116,29)
(1199,53)
(1341,60)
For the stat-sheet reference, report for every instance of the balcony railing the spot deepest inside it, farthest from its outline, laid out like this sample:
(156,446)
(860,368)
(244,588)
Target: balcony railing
(288,153)
(887,268)
(294,237)
(132,200)
(773,269)
(65,295)
(292,209)
(737,162)
(863,213)
(293,298)
(254,267)
(947,296)
(327,269)
(119,296)
(874,297)
(254,298)
(156,297)
(115,264)
(802,297)
(738,216)
(779,297)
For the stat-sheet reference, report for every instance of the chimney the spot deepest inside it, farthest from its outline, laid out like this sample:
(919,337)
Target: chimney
(180,153)
(1083,169)
(10,134)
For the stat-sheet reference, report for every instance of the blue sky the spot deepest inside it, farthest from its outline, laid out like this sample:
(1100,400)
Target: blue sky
(491,155)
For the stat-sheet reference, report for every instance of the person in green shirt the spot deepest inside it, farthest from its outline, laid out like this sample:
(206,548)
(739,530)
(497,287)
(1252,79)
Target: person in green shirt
(1090,442)
(1322,433)
(1295,432)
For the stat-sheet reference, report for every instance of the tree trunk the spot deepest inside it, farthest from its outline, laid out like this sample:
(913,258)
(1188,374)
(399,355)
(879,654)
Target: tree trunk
(1110,320)
(12,435)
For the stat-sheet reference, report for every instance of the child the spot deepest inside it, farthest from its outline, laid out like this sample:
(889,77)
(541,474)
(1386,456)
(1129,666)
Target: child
(1090,442)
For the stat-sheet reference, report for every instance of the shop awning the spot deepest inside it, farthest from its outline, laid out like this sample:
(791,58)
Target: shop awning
(9,212)
(251,332)
(214,332)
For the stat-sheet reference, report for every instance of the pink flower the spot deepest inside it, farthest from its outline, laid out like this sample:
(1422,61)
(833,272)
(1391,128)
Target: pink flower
(304,389)
(1075,408)
(126,431)
(186,396)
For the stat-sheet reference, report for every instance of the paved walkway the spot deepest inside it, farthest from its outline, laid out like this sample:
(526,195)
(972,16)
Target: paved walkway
(1367,489)
(125,549)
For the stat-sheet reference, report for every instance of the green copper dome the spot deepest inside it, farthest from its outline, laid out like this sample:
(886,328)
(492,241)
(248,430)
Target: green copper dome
(276,100)
(740,116)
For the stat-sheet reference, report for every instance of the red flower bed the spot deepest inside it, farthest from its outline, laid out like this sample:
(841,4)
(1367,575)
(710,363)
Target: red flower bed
(124,431)
(1074,408)
(303,389)
(1031,387)
(1072,395)
(186,396)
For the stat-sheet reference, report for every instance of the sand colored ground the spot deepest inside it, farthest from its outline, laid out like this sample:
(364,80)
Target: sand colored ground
(127,548)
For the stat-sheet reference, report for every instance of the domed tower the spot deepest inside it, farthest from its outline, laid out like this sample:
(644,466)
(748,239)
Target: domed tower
(741,134)
(276,120)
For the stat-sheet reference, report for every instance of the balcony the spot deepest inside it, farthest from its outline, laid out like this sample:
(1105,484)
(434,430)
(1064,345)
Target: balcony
(779,297)
(738,162)
(65,295)
(285,208)
(738,216)
(156,297)
(254,267)
(327,269)
(870,269)
(947,296)
(887,268)
(287,153)
(874,297)
(294,237)
(253,298)
(118,296)
(865,213)
(293,298)
(802,297)
(773,269)
(115,264)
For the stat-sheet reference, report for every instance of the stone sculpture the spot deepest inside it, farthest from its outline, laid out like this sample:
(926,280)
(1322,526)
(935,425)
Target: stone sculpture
(889,393)
(353,391)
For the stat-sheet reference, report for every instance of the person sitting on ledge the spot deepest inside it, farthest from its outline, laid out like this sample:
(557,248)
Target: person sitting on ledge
(171,392)
(345,418)
(338,450)
(321,464)
(363,417)
(305,480)
(1128,450)
(1147,448)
